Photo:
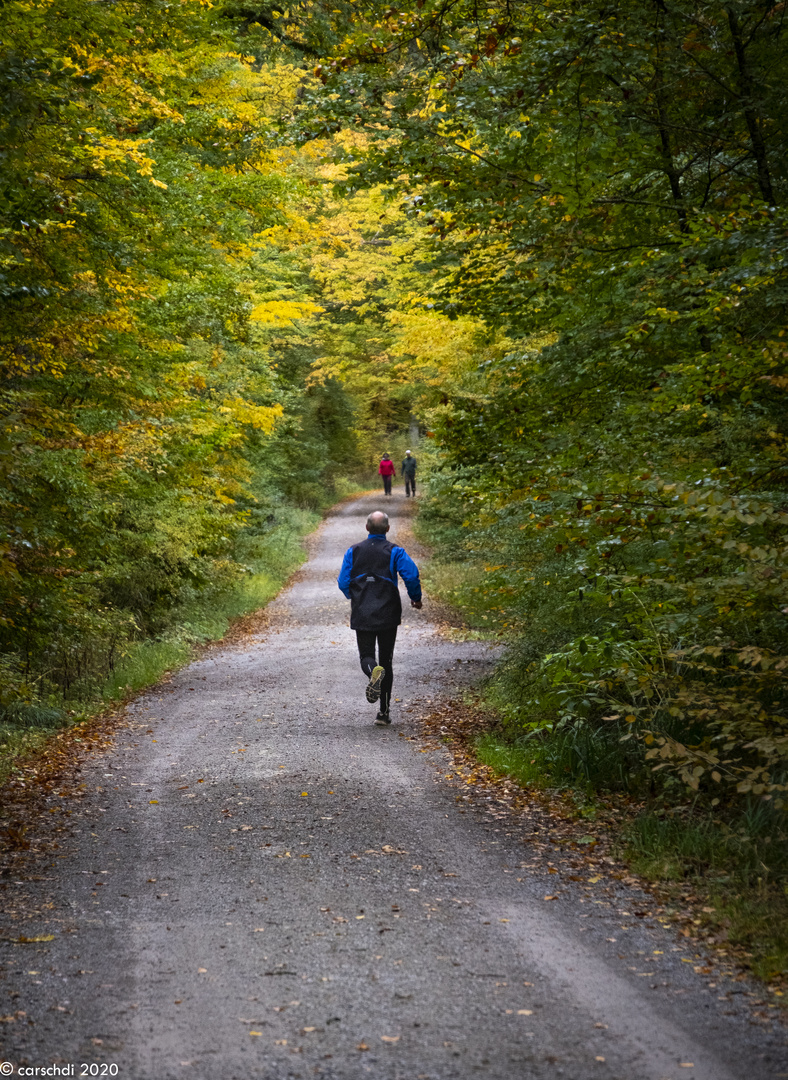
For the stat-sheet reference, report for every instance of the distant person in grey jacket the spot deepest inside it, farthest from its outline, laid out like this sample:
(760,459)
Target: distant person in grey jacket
(409,466)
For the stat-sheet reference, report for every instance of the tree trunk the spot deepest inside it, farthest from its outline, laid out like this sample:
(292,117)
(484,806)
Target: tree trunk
(747,88)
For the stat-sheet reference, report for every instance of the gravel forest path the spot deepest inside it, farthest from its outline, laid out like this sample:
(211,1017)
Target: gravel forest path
(259,883)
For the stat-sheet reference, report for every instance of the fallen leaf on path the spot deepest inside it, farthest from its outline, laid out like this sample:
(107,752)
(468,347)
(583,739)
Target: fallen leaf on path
(598,1058)
(525,1012)
(362,1046)
(553,897)
(202,971)
(22,940)
(258,930)
(280,1042)
(255,1033)
(390,1038)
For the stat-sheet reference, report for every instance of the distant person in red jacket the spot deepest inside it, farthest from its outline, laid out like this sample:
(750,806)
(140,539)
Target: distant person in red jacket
(386,470)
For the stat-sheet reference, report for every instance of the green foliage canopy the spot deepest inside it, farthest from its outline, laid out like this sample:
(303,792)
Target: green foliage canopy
(145,312)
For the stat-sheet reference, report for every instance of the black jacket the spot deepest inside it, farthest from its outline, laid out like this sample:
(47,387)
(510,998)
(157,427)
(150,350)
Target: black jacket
(369,579)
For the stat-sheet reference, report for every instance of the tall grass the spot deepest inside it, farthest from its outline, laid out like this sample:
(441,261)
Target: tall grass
(572,755)
(740,865)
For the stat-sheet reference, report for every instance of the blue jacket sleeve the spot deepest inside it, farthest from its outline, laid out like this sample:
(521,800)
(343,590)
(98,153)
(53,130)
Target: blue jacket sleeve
(343,581)
(402,564)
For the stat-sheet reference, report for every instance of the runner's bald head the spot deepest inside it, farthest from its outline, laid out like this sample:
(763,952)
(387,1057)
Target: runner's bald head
(378,522)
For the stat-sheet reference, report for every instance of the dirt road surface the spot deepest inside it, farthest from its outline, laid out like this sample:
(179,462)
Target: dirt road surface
(259,883)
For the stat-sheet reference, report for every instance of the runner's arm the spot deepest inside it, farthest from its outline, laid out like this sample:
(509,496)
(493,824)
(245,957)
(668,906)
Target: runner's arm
(343,581)
(402,564)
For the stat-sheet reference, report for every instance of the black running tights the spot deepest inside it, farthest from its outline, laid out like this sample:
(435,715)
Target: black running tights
(385,649)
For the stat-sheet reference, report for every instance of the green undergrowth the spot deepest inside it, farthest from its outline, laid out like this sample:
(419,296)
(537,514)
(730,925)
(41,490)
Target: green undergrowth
(558,731)
(455,580)
(454,584)
(265,562)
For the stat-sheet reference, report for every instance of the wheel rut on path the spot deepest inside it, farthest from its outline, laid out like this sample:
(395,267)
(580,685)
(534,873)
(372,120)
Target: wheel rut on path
(260,883)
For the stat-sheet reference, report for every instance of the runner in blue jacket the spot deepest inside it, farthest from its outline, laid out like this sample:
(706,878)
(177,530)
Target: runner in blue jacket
(368,579)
